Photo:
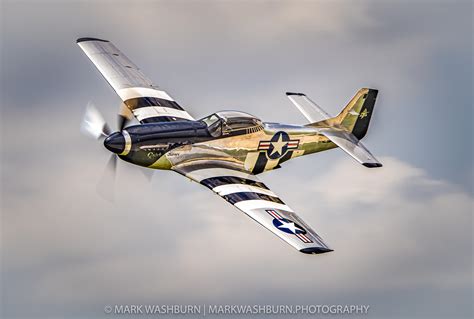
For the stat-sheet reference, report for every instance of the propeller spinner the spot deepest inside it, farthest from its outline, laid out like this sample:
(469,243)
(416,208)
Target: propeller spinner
(119,143)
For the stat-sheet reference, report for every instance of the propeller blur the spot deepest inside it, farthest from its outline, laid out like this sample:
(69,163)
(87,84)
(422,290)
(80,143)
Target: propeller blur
(226,150)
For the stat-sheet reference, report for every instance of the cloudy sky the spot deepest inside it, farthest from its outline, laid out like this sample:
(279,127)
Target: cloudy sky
(402,234)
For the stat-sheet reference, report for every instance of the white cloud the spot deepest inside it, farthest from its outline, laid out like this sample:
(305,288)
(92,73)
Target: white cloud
(401,237)
(393,228)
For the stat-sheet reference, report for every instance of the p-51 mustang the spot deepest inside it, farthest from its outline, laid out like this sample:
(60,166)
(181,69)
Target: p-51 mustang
(224,151)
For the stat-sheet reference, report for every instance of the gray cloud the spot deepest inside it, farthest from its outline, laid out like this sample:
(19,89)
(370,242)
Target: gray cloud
(392,231)
(210,57)
(402,234)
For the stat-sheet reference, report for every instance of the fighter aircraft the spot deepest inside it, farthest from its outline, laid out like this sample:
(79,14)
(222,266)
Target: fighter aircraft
(224,151)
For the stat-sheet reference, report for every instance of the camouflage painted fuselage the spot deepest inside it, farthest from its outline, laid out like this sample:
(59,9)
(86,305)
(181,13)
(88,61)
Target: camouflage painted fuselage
(164,145)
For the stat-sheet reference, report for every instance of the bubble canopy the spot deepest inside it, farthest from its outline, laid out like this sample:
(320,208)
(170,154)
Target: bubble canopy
(231,123)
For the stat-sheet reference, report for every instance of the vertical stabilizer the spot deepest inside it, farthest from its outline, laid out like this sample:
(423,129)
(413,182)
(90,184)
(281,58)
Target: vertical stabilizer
(355,117)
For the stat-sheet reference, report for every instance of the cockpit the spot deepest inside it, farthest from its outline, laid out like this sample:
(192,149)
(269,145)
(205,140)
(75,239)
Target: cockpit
(227,123)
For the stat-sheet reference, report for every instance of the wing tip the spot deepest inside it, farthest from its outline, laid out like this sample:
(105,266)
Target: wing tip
(315,250)
(372,165)
(295,93)
(90,39)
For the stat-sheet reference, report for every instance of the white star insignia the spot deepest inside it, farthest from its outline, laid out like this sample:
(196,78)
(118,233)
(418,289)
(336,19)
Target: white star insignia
(278,146)
(290,226)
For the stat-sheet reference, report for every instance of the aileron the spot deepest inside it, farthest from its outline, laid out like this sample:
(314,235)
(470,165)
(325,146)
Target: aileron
(225,150)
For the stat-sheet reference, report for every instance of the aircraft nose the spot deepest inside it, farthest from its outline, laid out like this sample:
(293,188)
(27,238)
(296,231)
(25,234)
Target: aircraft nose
(115,142)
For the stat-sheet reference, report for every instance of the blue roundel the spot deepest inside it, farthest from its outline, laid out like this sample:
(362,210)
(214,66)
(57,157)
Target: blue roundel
(279,145)
(288,226)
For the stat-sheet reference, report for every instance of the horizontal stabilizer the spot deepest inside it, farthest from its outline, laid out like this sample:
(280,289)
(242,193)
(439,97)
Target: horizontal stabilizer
(352,146)
(310,110)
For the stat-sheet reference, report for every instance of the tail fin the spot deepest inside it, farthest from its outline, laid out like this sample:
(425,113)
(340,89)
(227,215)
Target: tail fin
(355,117)
(346,129)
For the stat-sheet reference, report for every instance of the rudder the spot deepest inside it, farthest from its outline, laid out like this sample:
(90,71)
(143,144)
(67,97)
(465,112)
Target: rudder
(355,117)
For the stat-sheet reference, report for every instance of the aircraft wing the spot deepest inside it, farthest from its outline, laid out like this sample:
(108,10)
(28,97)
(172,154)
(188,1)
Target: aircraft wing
(243,190)
(312,111)
(351,145)
(147,102)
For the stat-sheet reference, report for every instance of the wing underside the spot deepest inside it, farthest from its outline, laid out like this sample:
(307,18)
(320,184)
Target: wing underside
(254,198)
(147,101)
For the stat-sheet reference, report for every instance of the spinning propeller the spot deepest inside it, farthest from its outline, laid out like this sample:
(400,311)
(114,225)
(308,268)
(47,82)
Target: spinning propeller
(94,125)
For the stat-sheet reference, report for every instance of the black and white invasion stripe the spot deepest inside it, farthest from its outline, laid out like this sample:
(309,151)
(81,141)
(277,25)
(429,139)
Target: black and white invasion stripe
(238,187)
(152,105)
(243,189)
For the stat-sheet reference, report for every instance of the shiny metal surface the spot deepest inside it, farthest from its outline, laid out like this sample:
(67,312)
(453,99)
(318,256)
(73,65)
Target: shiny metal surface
(225,151)
(146,100)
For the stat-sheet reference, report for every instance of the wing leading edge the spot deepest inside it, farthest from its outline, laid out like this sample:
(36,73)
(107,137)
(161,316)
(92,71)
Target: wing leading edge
(147,102)
(251,196)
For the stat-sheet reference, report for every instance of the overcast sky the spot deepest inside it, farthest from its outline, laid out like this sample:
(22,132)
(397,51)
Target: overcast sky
(402,234)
